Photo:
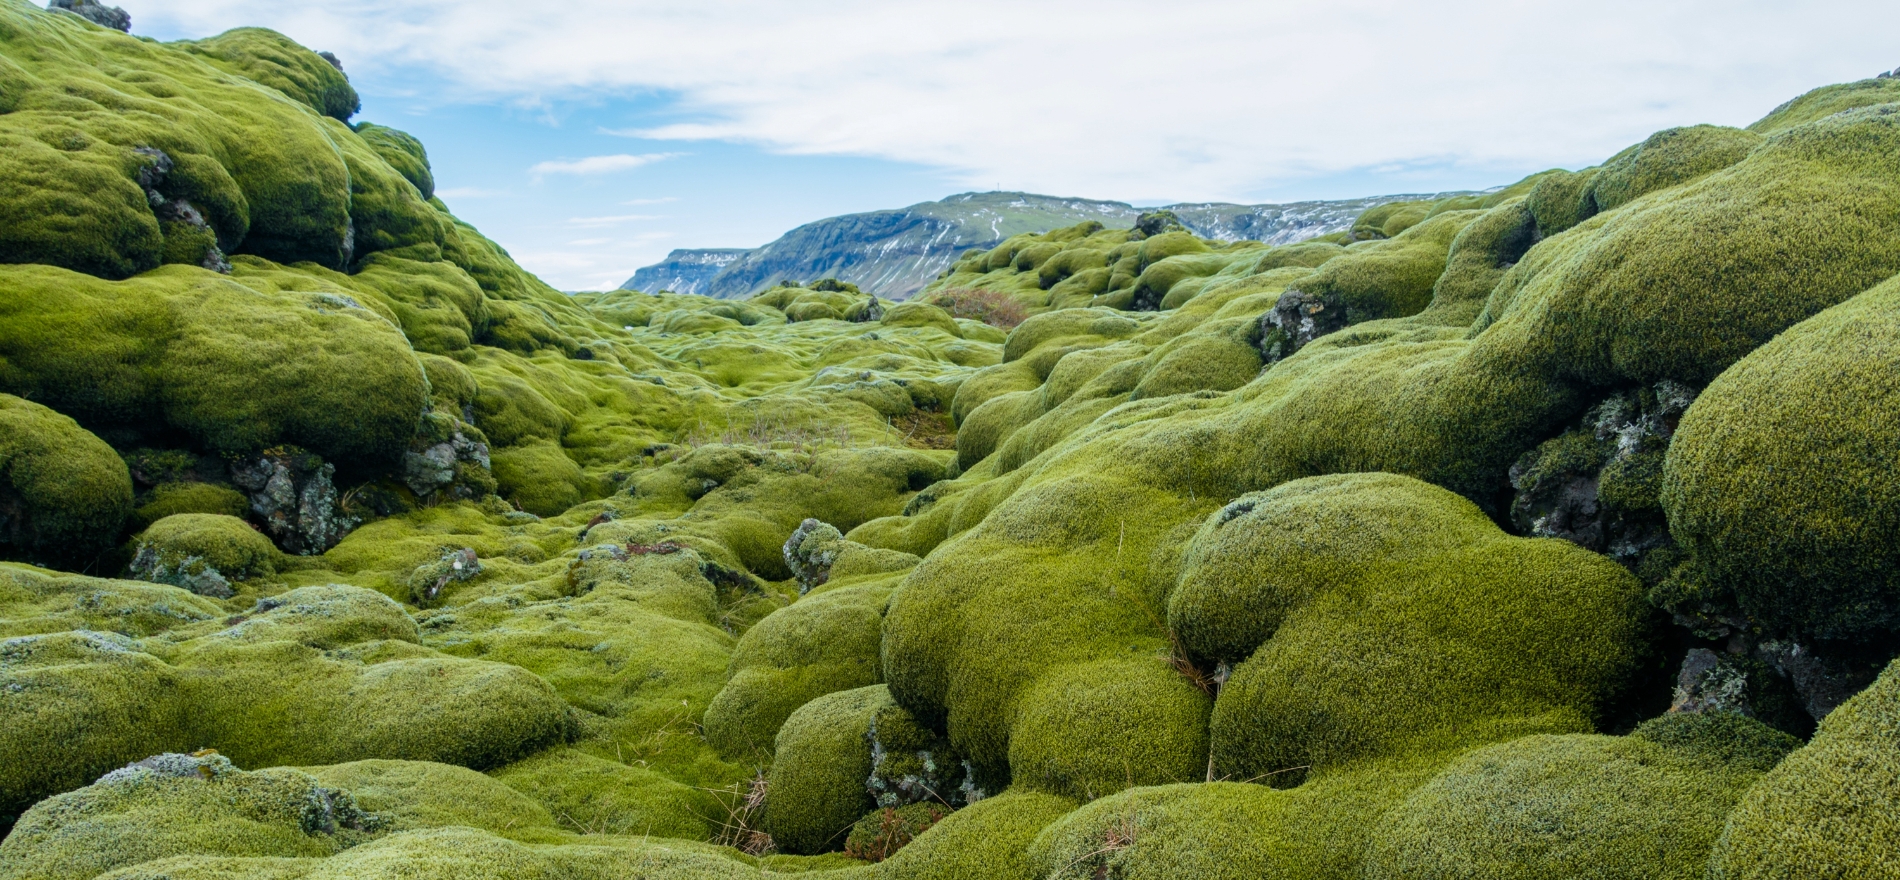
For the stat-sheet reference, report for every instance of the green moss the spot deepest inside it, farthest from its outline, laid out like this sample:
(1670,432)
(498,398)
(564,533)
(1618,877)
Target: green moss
(1794,230)
(541,478)
(986,839)
(1045,571)
(95,97)
(236,369)
(181,804)
(325,617)
(167,499)
(1480,255)
(636,653)
(634,642)
(406,795)
(1389,279)
(275,60)
(1668,158)
(592,795)
(1097,727)
(63,492)
(884,831)
(1227,830)
(826,642)
(35,601)
(815,790)
(223,542)
(1827,101)
(1562,199)
(1775,484)
(77,705)
(403,152)
(1640,806)
(1389,220)
(1033,660)
(1217,356)
(1473,626)
(1830,809)
(1310,254)
(467,853)
(278,702)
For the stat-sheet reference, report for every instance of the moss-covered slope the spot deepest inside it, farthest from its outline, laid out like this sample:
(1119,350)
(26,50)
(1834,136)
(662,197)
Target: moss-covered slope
(1494,537)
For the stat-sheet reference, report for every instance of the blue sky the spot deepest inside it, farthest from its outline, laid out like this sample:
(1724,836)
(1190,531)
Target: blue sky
(591,139)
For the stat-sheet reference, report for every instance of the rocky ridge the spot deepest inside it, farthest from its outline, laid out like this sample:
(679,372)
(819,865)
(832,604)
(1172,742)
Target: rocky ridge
(894,253)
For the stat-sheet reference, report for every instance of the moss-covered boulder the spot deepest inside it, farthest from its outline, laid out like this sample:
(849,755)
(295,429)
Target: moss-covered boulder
(1779,486)
(63,492)
(1832,809)
(1667,158)
(815,791)
(171,498)
(325,617)
(202,552)
(175,804)
(409,795)
(76,704)
(827,641)
(1388,279)
(1648,805)
(234,368)
(597,795)
(1474,628)
(277,61)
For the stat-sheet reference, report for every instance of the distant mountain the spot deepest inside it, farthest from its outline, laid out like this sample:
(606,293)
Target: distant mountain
(895,253)
(687,270)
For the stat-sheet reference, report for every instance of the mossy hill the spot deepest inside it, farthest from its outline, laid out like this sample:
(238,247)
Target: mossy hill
(894,253)
(1543,533)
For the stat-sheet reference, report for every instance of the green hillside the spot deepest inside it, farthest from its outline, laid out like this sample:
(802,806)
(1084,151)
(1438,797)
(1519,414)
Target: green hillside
(1543,533)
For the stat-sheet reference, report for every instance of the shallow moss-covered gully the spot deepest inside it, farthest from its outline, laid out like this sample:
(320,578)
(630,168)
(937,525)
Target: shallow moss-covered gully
(1552,532)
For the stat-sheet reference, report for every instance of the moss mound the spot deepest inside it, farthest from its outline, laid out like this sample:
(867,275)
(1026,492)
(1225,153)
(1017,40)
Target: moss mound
(1776,486)
(1308,689)
(225,543)
(78,704)
(1830,808)
(816,790)
(174,498)
(63,491)
(1647,805)
(175,804)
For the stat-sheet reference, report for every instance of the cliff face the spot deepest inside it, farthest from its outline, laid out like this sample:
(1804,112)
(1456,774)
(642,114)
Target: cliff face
(895,253)
(685,270)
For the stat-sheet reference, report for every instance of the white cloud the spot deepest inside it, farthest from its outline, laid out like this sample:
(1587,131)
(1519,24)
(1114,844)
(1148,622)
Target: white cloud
(659,201)
(1193,99)
(610,221)
(599,164)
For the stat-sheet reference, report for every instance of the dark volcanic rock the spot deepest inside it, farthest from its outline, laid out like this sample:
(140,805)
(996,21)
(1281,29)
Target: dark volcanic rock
(1598,484)
(96,12)
(1297,319)
(293,496)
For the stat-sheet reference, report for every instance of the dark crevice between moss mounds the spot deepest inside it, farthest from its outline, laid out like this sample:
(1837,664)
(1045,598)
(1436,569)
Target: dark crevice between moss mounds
(1512,247)
(1598,485)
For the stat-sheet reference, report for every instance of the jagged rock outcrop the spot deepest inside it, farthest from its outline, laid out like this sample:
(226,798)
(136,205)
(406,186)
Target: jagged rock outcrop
(97,13)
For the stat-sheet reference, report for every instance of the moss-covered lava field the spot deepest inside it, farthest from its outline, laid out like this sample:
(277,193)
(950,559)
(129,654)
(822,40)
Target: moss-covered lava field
(1550,532)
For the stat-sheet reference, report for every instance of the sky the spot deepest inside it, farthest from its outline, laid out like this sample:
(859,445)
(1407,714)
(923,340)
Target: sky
(589,139)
